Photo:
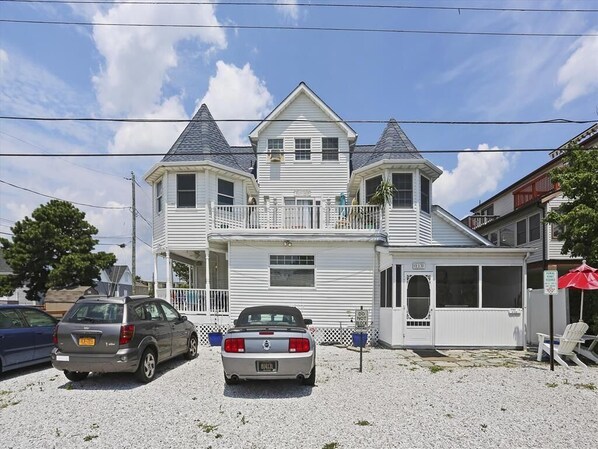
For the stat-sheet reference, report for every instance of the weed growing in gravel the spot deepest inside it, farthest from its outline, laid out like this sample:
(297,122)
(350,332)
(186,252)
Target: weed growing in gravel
(436,369)
(5,392)
(449,415)
(207,428)
(57,432)
(95,426)
(363,423)
(589,386)
(552,385)
(332,445)
(69,386)
(503,409)
(89,437)
(484,427)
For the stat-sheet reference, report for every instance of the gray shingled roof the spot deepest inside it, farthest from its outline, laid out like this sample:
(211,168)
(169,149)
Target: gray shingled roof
(202,140)
(393,144)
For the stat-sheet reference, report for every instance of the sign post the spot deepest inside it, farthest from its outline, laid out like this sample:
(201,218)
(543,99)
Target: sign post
(551,279)
(361,323)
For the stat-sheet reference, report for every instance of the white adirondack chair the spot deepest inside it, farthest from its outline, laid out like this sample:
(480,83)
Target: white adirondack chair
(589,351)
(566,345)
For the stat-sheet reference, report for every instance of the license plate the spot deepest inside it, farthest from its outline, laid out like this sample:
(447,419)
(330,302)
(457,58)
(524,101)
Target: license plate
(267,366)
(87,341)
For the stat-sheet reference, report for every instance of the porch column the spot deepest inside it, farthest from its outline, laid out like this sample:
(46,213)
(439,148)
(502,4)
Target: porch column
(208,281)
(168,275)
(155,273)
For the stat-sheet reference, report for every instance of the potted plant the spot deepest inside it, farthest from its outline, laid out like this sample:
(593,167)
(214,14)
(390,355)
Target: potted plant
(381,197)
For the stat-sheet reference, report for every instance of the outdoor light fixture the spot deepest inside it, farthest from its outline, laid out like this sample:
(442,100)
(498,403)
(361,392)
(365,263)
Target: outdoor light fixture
(287,243)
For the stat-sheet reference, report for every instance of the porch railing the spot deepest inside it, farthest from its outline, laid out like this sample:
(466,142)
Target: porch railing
(194,300)
(533,190)
(476,221)
(318,217)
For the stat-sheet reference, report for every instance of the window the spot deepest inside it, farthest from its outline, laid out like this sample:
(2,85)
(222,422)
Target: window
(386,288)
(493,237)
(398,286)
(371,185)
(488,210)
(403,195)
(226,192)
(330,148)
(507,235)
(10,319)
(275,149)
(457,286)
(170,312)
(185,190)
(153,312)
(425,194)
(302,149)
(37,318)
(534,227)
(94,313)
(292,271)
(501,287)
(521,232)
(159,197)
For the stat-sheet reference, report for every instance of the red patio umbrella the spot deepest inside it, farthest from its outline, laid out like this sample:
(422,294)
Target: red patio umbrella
(584,277)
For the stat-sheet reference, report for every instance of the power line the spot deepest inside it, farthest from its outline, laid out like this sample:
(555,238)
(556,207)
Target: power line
(142,241)
(299,28)
(554,121)
(55,198)
(309,5)
(249,152)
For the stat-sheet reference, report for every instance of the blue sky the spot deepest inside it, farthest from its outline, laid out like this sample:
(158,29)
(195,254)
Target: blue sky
(49,70)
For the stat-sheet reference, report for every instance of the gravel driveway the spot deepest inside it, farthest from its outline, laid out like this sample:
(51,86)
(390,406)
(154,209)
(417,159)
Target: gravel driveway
(391,404)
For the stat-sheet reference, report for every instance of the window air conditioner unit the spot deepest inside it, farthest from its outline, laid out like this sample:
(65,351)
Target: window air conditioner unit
(275,156)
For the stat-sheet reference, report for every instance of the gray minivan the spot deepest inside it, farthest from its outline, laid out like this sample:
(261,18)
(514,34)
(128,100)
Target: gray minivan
(121,334)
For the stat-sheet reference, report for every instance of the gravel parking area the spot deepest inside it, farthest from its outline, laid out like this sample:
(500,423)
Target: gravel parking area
(393,403)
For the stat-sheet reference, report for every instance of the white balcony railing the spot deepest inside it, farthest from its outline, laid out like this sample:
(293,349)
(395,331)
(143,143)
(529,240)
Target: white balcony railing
(291,218)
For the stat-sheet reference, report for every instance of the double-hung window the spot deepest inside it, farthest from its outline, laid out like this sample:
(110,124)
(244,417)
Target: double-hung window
(292,271)
(226,192)
(534,227)
(425,194)
(521,232)
(403,194)
(159,197)
(275,149)
(185,190)
(330,148)
(302,149)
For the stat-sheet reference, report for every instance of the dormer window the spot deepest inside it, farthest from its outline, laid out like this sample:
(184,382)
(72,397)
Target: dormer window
(330,148)
(403,195)
(275,149)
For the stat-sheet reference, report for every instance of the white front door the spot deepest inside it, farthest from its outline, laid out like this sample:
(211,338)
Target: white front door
(418,310)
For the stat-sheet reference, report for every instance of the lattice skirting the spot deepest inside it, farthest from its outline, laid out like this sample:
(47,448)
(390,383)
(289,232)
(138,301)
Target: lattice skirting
(322,335)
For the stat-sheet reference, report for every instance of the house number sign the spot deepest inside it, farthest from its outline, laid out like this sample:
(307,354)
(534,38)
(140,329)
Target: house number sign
(418,265)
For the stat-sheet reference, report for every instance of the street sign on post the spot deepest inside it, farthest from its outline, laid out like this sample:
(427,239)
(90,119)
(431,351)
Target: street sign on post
(551,280)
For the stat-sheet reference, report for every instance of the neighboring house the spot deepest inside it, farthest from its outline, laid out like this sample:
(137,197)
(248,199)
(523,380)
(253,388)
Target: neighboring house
(115,281)
(18,296)
(514,217)
(286,220)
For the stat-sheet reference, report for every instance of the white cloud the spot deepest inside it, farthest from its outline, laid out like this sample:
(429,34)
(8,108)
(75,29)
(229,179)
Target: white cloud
(579,75)
(137,59)
(288,8)
(152,136)
(476,174)
(3,60)
(236,93)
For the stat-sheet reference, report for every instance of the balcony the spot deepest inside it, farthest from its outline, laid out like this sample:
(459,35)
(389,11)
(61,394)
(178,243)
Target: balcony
(533,190)
(193,300)
(299,218)
(477,221)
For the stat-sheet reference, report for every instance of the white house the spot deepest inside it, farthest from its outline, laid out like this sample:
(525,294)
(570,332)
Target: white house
(286,220)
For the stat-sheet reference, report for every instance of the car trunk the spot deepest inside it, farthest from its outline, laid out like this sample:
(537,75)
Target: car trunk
(267,340)
(81,338)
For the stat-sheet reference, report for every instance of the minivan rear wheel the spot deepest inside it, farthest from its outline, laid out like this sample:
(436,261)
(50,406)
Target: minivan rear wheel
(147,366)
(75,376)
(191,348)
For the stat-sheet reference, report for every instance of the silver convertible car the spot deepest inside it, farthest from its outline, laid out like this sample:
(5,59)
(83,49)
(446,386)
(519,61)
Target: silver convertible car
(269,342)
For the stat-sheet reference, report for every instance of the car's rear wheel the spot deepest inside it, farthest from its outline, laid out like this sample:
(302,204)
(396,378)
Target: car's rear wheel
(147,366)
(191,348)
(311,380)
(75,376)
(230,381)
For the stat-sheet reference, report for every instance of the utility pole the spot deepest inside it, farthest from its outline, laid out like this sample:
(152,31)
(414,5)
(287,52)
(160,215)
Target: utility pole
(133,232)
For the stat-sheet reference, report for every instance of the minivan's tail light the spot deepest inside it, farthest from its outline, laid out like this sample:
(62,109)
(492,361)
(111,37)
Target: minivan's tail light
(126,334)
(298,345)
(234,345)
(55,335)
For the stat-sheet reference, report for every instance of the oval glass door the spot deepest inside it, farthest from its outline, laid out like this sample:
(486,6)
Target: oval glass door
(418,300)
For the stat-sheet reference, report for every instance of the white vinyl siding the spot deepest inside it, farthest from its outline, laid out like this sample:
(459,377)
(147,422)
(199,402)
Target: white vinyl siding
(554,245)
(344,280)
(446,234)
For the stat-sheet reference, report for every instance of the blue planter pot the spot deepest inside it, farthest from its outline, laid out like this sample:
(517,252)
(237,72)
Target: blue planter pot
(360,339)
(215,338)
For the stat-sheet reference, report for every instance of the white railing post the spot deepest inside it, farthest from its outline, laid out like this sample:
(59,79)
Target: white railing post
(168,276)
(208,282)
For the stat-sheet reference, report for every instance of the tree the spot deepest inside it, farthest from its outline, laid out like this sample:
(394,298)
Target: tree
(182,271)
(577,219)
(52,249)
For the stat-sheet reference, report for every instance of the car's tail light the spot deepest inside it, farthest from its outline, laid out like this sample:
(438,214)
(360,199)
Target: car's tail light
(298,345)
(234,345)
(55,335)
(126,334)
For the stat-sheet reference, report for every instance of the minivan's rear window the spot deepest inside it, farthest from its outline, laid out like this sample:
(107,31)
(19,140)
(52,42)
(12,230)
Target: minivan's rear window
(94,313)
